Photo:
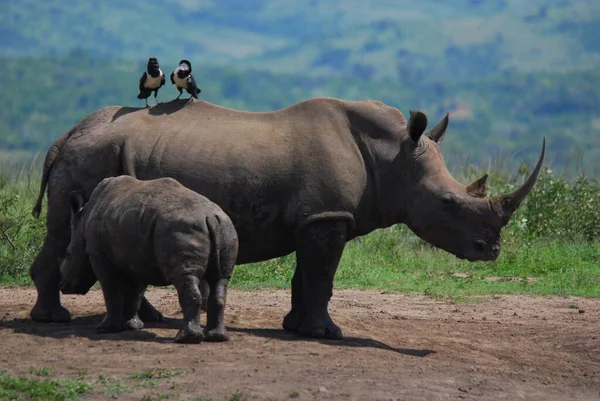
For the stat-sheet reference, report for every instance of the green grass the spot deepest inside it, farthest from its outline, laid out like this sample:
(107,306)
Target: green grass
(26,388)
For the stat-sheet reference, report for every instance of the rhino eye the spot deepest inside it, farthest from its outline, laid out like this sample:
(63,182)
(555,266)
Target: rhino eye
(449,200)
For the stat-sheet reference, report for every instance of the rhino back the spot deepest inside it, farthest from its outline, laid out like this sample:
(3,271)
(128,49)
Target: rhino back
(139,225)
(270,172)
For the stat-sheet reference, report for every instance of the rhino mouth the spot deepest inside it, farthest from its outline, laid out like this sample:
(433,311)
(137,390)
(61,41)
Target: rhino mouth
(69,288)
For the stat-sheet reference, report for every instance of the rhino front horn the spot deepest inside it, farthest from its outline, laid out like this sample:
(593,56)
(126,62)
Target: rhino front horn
(511,202)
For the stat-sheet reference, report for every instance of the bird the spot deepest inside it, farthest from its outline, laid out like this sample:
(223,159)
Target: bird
(151,81)
(182,78)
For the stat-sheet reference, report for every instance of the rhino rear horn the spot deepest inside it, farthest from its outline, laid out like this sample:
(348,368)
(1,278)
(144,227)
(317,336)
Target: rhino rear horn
(76,201)
(511,202)
(416,125)
(437,133)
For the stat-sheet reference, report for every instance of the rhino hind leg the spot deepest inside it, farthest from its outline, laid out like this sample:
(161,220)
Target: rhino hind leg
(190,300)
(318,251)
(44,271)
(215,322)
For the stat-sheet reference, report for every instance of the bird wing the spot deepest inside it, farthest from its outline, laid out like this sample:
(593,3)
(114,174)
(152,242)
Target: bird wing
(143,81)
(172,75)
(192,87)
(162,80)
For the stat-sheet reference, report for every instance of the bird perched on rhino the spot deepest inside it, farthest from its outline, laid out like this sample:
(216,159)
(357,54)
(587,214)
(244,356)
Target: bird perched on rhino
(151,81)
(182,78)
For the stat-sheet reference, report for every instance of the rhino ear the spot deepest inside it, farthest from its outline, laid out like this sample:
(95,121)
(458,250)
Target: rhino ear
(416,125)
(437,133)
(76,201)
(477,189)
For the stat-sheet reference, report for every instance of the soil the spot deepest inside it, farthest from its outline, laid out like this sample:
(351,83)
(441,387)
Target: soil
(397,346)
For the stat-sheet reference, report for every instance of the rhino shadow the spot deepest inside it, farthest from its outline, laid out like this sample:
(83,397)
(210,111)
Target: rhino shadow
(283,335)
(169,107)
(85,326)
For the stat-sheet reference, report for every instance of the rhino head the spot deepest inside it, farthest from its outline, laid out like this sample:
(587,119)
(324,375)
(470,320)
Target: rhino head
(460,219)
(77,276)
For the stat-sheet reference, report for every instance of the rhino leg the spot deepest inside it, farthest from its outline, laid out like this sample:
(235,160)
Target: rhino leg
(205,291)
(215,322)
(133,294)
(190,300)
(294,318)
(44,271)
(148,313)
(113,288)
(318,251)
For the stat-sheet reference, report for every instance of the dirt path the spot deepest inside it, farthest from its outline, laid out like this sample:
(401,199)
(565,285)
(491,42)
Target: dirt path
(397,347)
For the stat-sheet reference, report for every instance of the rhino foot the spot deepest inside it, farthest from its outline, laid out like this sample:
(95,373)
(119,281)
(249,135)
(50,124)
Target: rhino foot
(134,324)
(216,335)
(292,321)
(110,326)
(319,328)
(189,336)
(58,314)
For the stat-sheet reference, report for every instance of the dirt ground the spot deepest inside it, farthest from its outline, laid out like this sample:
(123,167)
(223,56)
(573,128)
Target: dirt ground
(397,347)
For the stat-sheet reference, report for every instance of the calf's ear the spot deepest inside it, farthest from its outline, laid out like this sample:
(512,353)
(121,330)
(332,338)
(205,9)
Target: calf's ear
(76,201)
(416,125)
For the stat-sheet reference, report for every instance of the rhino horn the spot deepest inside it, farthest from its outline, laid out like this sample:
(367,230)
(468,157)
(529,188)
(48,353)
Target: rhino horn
(512,201)
(416,125)
(477,188)
(437,133)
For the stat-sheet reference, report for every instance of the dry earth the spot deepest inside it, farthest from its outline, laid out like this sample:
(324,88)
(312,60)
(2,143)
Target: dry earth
(397,347)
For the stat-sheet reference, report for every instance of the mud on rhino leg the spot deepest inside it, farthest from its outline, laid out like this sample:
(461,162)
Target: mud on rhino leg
(190,301)
(215,322)
(133,294)
(319,247)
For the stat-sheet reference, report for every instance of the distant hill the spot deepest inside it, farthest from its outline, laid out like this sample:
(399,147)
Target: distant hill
(370,39)
(509,71)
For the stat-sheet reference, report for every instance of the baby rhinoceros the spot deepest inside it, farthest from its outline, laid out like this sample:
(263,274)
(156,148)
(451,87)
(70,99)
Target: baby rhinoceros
(132,233)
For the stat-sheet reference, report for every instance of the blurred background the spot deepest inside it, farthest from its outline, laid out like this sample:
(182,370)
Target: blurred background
(508,71)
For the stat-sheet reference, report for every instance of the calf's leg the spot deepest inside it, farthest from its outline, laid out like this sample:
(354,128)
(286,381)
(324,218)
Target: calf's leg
(190,301)
(133,294)
(319,247)
(112,284)
(215,324)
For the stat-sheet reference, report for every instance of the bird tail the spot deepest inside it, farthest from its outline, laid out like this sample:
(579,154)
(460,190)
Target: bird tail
(140,96)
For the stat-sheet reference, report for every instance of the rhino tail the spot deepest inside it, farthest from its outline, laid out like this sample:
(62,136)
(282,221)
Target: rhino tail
(51,157)
(215,245)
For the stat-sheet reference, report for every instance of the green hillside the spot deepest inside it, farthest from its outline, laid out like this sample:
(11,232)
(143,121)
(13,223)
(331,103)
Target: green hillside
(509,71)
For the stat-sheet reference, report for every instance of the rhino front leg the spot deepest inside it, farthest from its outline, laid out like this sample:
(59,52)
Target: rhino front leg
(149,314)
(318,251)
(113,286)
(133,294)
(294,318)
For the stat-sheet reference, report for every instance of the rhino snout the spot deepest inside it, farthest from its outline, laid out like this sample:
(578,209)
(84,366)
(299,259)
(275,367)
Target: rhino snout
(482,250)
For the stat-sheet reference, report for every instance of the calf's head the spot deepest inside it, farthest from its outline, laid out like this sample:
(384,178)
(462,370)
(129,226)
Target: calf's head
(460,219)
(77,276)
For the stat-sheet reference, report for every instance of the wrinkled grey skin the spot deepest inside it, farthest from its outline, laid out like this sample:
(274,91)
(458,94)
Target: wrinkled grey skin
(306,178)
(132,234)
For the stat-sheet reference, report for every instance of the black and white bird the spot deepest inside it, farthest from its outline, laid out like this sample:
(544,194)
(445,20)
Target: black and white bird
(151,81)
(182,78)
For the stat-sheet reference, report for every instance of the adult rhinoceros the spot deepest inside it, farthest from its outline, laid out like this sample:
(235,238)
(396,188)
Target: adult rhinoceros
(306,178)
